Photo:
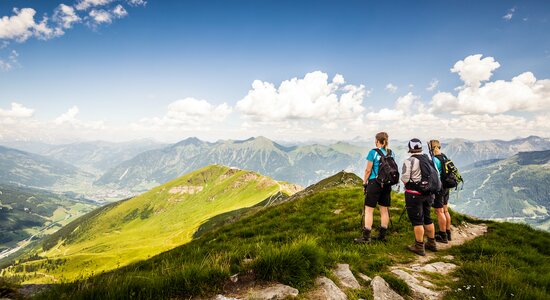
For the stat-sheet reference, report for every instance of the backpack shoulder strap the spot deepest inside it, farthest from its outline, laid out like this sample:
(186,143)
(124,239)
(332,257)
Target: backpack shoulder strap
(379,152)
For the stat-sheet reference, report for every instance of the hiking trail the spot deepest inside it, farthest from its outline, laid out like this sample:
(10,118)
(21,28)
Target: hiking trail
(416,274)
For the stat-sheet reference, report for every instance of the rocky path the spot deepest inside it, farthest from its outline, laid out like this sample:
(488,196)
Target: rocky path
(415,274)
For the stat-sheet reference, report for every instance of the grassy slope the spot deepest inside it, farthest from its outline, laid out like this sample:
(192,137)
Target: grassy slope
(297,240)
(146,225)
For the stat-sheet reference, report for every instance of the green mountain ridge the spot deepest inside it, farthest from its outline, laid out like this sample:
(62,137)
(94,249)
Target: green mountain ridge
(304,237)
(515,188)
(135,229)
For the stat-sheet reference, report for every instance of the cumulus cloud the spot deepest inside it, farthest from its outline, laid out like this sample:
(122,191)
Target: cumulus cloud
(473,69)
(70,118)
(188,112)
(137,2)
(509,14)
(523,93)
(404,106)
(85,4)
(391,88)
(65,16)
(21,26)
(313,97)
(119,11)
(16,111)
(433,84)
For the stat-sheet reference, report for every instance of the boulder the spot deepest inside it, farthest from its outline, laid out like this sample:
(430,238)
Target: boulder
(347,280)
(419,291)
(274,292)
(381,290)
(328,290)
(222,297)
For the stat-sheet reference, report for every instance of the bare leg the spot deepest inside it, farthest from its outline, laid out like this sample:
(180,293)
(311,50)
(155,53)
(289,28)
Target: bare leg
(419,233)
(447,217)
(368,217)
(430,230)
(384,216)
(441,219)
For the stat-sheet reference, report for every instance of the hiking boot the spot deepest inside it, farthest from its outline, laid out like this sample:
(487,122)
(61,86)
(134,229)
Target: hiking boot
(441,237)
(365,238)
(449,235)
(382,234)
(430,245)
(418,248)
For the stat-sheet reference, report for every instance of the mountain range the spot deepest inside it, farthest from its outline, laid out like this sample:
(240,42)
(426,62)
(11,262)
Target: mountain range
(514,189)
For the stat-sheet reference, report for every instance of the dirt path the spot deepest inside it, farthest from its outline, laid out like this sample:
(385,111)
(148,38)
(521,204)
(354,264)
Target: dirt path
(417,273)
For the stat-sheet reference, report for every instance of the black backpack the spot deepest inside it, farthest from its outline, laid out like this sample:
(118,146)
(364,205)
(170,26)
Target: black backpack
(388,172)
(450,177)
(430,182)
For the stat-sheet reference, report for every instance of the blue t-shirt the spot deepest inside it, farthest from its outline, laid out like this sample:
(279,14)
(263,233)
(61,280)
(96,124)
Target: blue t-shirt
(375,158)
(437,164)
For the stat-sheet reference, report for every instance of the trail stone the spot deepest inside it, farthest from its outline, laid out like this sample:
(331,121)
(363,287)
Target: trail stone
(345,276)
(275,292)
(415,285)
(382,291)
(438,267)
(365,277)
(448,257)
(329,290)
(222,297)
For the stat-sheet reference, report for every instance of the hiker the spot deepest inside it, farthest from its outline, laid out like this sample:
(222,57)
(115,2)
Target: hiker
(421,183)
(380,174)
(450,178)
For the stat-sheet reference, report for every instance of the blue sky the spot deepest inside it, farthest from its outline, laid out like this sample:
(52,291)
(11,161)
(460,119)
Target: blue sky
(125,73)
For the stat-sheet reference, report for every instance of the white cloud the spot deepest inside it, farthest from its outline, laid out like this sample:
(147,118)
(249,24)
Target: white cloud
(85,4)
(404,106)
(310,98)
(473,70)
(65,16)
(101,16)
(391,88)
(523,93)
(119,11)
(433,84)
(509,14)
(188,112)
(21,26)
(10,62)
(137,2)
(16,111)
(70,118)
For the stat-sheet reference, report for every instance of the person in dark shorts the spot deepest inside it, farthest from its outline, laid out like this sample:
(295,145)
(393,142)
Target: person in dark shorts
(375,193)
(441,199)
(418,205)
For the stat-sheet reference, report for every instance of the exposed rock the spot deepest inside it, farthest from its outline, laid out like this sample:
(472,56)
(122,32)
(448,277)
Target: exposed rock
(337,211)
(365,277)
(186,189)
(382,291)
(222,297)
(419,291)
(328,290)
(345,276)
(234,278)
(273,292)
(437,267)
(448,257)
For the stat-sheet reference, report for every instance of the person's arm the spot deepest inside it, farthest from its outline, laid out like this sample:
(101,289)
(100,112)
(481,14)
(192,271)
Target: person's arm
(368,170)
(406,174)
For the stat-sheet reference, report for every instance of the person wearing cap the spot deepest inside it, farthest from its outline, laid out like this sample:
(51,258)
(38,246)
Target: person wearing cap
(418,205)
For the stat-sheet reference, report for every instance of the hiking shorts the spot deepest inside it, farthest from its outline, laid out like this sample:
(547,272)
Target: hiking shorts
(418,208)
(441,199)
(376,194)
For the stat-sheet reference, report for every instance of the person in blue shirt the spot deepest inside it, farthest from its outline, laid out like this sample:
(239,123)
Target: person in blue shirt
(441,200)
(375,193)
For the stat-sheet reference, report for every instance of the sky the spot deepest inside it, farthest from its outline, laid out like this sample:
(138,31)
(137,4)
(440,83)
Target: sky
(119,70)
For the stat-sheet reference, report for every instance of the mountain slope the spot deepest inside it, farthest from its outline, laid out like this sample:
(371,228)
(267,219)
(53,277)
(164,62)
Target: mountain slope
(464,152)
(303,165)
(94,157)
(25,212)
(23,168)
(516,188)
(156,221)
(299,240)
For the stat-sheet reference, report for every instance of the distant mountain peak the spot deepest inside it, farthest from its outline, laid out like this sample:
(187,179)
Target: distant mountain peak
(190,141)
